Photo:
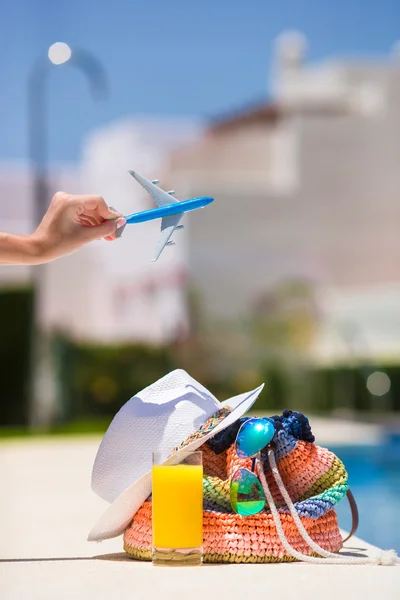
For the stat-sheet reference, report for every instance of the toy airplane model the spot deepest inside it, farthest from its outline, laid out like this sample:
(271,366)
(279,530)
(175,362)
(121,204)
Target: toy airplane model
(170,210)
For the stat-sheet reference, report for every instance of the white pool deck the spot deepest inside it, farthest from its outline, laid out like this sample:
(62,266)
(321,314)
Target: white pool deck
(47,509)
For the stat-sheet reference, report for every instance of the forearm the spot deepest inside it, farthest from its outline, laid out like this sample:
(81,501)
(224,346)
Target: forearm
(19,250)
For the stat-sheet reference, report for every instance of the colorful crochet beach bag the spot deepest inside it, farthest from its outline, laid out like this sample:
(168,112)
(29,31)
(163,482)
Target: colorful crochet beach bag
(303,484)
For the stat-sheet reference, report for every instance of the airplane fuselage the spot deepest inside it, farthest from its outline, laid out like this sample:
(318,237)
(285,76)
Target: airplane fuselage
(170,209)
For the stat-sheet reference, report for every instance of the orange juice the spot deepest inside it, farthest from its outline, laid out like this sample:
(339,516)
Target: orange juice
(177,501)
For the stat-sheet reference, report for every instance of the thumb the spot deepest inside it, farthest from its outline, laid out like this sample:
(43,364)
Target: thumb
(104,230)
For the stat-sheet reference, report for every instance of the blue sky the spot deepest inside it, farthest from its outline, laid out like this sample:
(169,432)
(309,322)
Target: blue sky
(167,57)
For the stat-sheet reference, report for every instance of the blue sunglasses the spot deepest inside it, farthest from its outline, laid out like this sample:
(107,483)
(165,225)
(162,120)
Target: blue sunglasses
(246,493)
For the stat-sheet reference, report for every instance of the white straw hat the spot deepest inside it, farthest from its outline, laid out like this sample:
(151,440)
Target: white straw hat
(158,419)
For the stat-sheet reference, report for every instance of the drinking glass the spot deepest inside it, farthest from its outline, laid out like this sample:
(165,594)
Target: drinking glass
(177,509)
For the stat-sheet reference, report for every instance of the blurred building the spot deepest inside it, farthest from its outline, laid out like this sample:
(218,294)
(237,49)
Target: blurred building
(306,186)
(107,292)
(113,292)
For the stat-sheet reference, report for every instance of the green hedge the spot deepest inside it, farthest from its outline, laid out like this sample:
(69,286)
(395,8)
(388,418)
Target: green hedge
(16,312)
(96,380)
(328,389)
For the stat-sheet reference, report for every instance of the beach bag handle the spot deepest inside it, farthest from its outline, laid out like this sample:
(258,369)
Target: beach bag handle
(354,515)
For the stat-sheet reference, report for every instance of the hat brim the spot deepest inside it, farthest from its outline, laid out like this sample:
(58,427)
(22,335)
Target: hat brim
(120,513)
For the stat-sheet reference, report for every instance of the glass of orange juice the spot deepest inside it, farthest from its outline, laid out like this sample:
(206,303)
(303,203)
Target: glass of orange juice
(177,507)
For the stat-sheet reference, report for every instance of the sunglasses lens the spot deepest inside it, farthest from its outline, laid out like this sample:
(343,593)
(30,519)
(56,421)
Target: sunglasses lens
(253,436)
(247,495)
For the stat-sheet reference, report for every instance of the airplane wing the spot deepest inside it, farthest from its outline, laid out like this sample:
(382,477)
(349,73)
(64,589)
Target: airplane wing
(161,197)
(168,225)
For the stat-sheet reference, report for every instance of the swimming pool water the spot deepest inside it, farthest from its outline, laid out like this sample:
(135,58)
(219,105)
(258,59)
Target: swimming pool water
(374,477)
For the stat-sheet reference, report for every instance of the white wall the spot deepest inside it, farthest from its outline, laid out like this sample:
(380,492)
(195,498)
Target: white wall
(112,291)
(362,322)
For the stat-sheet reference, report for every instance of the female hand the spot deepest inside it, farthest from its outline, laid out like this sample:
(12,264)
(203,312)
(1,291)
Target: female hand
(69,223)
(73,221)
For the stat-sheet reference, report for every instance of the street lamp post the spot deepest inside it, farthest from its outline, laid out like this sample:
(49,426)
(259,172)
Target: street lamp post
(42,405)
